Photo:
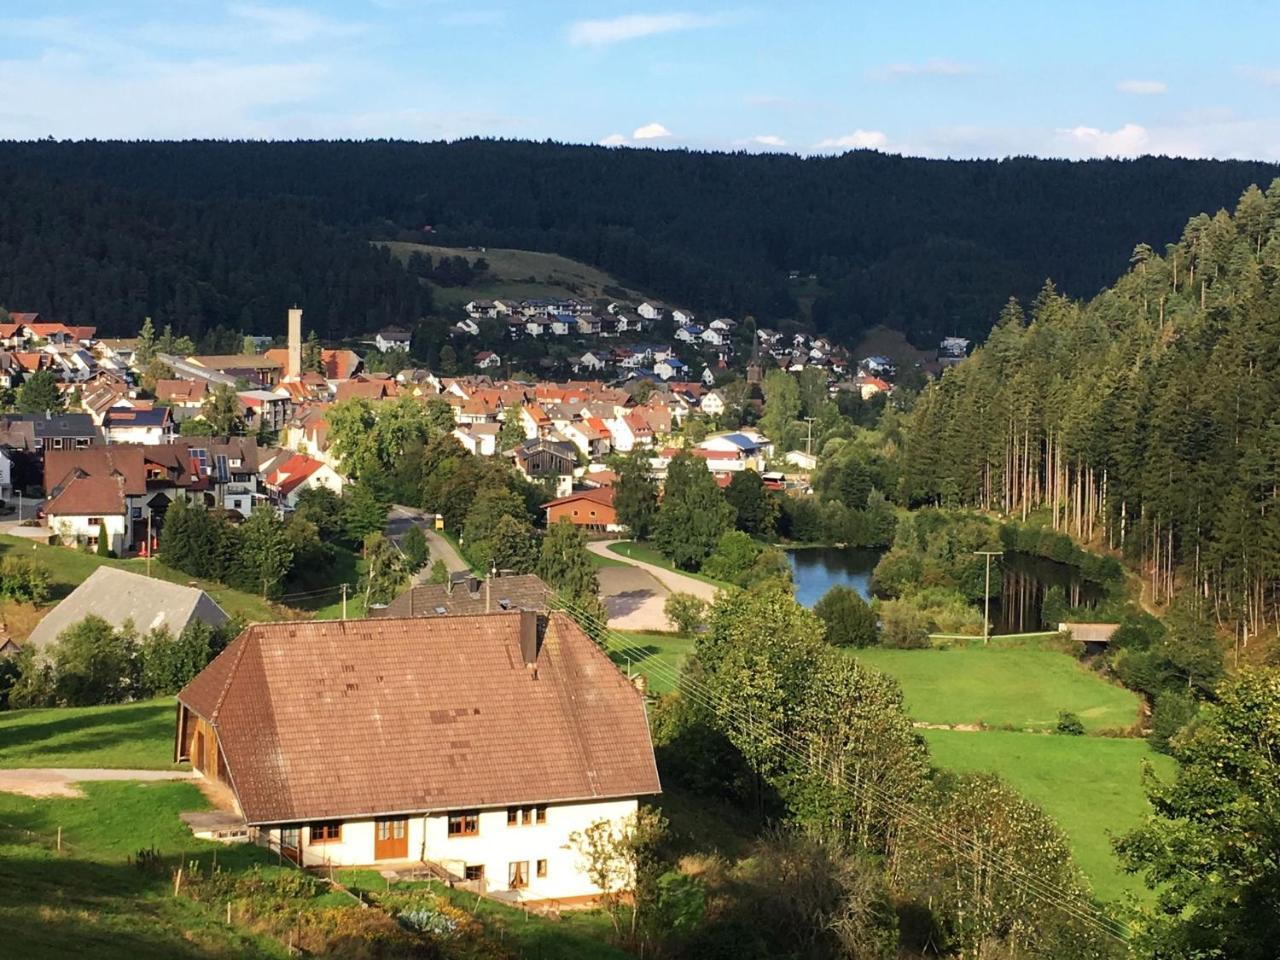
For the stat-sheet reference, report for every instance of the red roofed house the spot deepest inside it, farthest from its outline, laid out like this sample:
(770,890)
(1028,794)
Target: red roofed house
(300,472)
(630,431)
(92,488)
(487,360)
(592,509)
(472,745)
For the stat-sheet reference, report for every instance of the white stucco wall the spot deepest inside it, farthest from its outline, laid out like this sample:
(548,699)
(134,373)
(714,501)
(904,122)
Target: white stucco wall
(496,846)
(69,528)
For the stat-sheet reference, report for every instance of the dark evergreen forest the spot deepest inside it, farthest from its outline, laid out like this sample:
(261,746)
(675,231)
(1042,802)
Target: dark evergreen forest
(209,234)
(1145,418)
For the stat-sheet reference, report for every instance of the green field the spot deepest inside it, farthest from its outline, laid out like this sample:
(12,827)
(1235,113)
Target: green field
(89,901)
(69,567)
(132,736)
(1092,786)
(517,274)
(1001,686)
(643,651)
(647,554)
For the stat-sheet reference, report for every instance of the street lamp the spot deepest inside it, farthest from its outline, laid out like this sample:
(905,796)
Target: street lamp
(986,593)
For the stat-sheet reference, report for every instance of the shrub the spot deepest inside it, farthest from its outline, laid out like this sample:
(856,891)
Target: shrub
(848,619)
(414,545)
(439,573)
(903,626)
(686,612)
(23,580)
(1070,723)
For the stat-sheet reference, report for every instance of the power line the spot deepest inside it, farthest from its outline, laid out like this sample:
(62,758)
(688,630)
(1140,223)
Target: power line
(796,750)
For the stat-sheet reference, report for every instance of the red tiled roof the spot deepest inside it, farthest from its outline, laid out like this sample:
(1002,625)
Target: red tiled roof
(417,715)
(293,472)
(369,389)
(182,391)
(125,460)
(601,495)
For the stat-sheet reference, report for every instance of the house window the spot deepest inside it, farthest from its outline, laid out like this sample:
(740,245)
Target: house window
(82,443)
(542,868)
(518,874)
(542,814)
(474,871)
(326,831)
(95,521)
(513,815)
(465,823)
(57,443)
(135,512)
(526,816)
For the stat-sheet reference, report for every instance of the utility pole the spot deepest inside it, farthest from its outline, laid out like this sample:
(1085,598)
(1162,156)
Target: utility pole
(808,443)
(150,542)
(344,601)
(986,594)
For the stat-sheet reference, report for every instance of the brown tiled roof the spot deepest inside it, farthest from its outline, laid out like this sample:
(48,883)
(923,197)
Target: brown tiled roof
(332,719)
(520,592)
(125,460)
(85,496)
(601,495)
(182,391)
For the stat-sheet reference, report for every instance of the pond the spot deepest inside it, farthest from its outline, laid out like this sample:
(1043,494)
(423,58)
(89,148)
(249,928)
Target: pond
(816,570)
(1024,581)
(1015,604)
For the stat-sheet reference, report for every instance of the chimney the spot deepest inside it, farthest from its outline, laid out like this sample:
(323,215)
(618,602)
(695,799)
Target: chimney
(473,586)
(293,368)
(488,593)
(529,640)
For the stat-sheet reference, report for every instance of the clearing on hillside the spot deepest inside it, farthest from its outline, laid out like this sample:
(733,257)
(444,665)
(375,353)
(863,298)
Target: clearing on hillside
(126,736)
(519,275)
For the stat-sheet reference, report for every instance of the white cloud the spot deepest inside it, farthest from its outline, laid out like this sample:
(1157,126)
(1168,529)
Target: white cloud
(1142,88)
(1127,141)
(858,140)
(613,140)
(292,24)
(650,131)
(936,67)
(768,140)
(1265,75)
(595,33)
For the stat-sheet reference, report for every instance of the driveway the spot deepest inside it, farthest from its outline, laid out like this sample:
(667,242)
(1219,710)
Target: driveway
(672,581)
(61,781)
(401,518)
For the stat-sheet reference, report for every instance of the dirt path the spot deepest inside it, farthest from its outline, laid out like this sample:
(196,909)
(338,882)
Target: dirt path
(61,781)
(674,582)
(634,598)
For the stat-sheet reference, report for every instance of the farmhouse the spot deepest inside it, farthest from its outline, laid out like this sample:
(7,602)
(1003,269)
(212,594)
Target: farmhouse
(473,745)
(592,509)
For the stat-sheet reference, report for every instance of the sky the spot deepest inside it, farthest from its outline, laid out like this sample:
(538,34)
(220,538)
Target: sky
(959,79)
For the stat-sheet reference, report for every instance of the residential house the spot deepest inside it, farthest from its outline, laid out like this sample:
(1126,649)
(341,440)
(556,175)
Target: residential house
(481,308)
(712,403)
(535,421)
(263,409)
(650,311)
(85,508)
(480,439)
(591,360)
(739,450)
(487,360)
(682,317)
(92,485)
(590,435)
(480,766)
(540,459)
(467,326)
(256,368)
(6,475)
(591,509)
(120,597)
(630,431)
(368,388)
(137,425)
(298,473)
(186,398)
(669,368)
(392,338)
(689,334)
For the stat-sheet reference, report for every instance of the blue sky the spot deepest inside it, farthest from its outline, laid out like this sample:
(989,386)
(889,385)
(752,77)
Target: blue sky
(962,79)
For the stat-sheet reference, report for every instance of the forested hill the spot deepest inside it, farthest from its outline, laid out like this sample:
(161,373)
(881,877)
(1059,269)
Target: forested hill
(1146,418)
(930,247)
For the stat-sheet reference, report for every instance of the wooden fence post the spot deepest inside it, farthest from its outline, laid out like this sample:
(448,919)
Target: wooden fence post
(59,839)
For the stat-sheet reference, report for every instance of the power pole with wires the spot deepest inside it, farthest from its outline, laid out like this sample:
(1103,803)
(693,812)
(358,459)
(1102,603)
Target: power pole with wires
(808,443)
(344,601)
(986,594)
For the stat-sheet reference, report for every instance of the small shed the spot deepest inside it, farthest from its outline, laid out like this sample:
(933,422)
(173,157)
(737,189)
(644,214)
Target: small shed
(1096,637)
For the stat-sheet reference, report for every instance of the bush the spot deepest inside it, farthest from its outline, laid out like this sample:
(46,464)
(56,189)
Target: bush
(1172,710)
(903,626)
(686,612)
(414,546)
(23,580)
(848,619)
(1070,724)
(439,573)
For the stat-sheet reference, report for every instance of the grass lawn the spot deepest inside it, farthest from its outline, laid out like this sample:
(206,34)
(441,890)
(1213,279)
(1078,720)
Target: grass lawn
(647,554)
(577,935)
(89,901)
(1090,785)
(644,650)
(136,736)
(1022,687)
(69,567)
(600,560)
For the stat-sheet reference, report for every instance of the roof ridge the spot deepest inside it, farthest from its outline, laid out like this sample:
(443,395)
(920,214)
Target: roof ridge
(244,638)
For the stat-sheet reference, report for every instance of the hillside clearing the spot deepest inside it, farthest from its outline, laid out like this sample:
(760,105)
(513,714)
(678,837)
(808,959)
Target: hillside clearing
(518,275)
(127,736)
(1092,786)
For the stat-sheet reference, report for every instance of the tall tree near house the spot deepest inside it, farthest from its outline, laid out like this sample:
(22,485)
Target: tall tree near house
(693,514)
(145,351)
(104,541)
(565,566)
(416,550)
(248,346)
(363,512)
(384,571)
(781,407)
(312,354)
(267,552)
(757,508)
(39,393)
(636,496)
(222,410)
(511,434)
(513,546)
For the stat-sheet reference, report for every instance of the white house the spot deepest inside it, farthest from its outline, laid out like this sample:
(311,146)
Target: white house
(712,403)
(132,425)
(682,317)
(392,338)
(287,481)
(714,337)
(467,326)
(391,749)
(650,311)
(86,508)
(591,361)
(480,439)
(689,334)
(487,360)
(669,368)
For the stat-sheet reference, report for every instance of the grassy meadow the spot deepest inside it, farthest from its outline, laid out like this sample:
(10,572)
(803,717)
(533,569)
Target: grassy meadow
(643,652)
(129,736)
(997,686)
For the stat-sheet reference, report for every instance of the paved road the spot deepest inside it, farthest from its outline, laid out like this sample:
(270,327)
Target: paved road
(61,781)
(401,518)
(674,582)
